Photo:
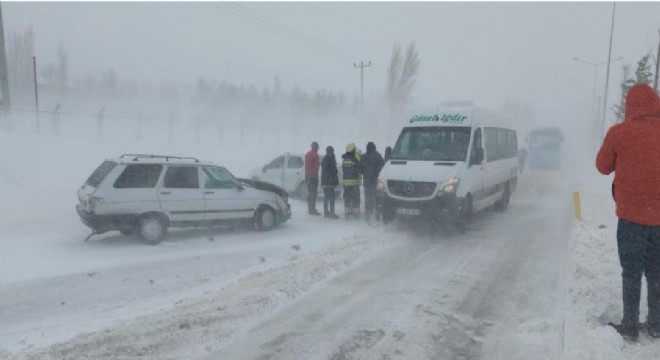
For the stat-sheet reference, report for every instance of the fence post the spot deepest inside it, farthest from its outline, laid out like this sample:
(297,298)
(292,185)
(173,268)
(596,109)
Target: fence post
(577,206)
(56,121)
(99,121)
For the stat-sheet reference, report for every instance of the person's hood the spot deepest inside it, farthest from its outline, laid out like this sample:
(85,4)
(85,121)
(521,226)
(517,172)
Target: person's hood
(642,101)
(371,148)
(330,150)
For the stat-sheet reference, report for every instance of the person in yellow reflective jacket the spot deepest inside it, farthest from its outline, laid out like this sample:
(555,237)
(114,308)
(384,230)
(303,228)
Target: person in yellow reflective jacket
(352,178)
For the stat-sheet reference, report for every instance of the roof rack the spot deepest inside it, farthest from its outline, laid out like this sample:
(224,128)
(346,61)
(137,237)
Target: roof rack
(151,156)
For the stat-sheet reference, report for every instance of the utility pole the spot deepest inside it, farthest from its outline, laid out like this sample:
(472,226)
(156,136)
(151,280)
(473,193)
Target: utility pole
(36,93)
(4,78)
(607,77)
(362,66)
(657,67)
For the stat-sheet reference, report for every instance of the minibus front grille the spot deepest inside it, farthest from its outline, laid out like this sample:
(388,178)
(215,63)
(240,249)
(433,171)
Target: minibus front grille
(411,189)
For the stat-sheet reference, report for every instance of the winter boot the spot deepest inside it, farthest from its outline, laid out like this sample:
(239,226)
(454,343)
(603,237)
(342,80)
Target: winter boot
(654,330)
(627,332)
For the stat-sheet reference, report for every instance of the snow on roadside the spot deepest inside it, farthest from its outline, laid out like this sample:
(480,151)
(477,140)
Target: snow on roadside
(594,296)
(187,329)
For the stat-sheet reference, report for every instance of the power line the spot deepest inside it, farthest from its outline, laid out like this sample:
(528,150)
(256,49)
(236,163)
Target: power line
(291,30)
(278,28)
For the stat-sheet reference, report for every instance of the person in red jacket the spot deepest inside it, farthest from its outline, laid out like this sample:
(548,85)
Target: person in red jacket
(312,164)
(631,150)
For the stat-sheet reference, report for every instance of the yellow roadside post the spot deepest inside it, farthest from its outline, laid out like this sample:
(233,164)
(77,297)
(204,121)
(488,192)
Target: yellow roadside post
(577,206)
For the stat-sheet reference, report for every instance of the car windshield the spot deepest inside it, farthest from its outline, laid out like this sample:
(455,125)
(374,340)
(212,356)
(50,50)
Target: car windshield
(433,144)
(100,173)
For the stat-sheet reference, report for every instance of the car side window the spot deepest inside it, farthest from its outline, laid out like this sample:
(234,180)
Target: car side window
(182,177)
(217,178)
(278,163)
(142,176)
(296,162)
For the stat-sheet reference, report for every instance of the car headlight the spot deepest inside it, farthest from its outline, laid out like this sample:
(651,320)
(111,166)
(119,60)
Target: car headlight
(451,185)
(380,183)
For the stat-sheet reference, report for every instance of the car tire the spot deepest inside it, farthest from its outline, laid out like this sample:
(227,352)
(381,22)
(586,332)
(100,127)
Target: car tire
(151,229)
(465,215)
(502,204)
(265,219)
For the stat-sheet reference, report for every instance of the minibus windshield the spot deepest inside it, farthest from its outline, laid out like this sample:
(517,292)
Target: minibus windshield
(432,144)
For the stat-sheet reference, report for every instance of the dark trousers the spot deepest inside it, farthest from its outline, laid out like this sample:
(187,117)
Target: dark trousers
(328,200)
(352,199)
(312,190)
(370,195)
(639,253)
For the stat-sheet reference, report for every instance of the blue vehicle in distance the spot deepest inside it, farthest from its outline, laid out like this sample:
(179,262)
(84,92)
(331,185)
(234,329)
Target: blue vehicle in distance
(544,148)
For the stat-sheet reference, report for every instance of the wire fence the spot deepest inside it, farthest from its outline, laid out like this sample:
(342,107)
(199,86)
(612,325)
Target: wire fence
(229,129)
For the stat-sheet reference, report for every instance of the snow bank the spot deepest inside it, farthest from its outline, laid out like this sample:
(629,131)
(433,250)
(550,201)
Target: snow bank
(594,294)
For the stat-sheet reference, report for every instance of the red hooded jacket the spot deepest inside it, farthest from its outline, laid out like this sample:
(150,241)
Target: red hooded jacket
(632,150)
(312,164)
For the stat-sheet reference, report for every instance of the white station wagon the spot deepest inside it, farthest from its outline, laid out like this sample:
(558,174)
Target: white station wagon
(145,194)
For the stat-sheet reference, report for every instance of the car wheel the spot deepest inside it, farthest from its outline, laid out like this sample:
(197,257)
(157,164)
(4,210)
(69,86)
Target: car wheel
(265,219)
(501,204)
(465,215)
(152,229)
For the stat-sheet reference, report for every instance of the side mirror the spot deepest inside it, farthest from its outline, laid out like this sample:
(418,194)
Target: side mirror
(263,169)
(477,156)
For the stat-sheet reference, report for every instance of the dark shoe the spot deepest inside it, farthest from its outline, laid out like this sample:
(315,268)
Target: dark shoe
(333,216)
(627,332)
(326,215)
(314,212)
(654,331)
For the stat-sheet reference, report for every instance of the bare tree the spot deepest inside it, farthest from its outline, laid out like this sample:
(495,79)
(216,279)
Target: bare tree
(19,63)
(57,75)
(401,77)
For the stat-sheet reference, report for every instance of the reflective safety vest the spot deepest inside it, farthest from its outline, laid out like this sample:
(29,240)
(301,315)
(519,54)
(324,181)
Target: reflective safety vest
(350,166)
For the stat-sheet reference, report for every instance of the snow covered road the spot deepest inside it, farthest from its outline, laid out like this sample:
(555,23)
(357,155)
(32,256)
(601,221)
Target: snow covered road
(312,289)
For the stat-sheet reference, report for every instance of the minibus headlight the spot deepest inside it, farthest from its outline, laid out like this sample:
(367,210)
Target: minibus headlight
(450,186)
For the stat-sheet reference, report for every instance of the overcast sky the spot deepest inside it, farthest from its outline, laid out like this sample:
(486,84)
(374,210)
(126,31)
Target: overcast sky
(487,52)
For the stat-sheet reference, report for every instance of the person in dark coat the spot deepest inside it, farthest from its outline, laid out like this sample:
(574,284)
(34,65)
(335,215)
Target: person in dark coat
(372,163)
(630,151)
(352,173)
(329,180)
